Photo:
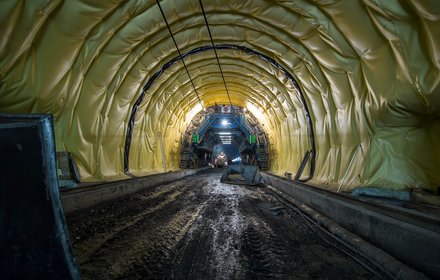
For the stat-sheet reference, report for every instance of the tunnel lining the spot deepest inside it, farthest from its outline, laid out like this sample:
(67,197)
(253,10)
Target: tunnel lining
(246,50)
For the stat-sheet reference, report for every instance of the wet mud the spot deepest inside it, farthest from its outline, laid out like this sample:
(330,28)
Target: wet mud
(199,228)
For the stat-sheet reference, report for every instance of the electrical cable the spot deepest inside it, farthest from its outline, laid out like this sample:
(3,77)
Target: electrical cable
(180,54)
(254,54)
(308,221)
(215,51)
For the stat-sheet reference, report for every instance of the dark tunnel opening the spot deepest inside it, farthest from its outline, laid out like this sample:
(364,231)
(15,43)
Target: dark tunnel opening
(222,135)
(311,154)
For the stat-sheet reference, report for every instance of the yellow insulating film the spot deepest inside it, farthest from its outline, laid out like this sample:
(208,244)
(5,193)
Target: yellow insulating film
(367,72)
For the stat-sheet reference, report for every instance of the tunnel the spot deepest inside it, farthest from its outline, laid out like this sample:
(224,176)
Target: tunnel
(230,131)
(335,103)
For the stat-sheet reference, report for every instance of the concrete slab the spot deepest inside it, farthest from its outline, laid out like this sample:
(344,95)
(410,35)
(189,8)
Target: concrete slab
(400,195)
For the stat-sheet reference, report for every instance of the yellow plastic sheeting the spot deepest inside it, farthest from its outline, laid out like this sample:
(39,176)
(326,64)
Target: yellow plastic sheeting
(369,72)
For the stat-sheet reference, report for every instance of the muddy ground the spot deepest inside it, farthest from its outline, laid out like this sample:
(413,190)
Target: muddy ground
(199,228)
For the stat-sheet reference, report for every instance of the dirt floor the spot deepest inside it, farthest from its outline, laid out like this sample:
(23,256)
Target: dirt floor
(199,228)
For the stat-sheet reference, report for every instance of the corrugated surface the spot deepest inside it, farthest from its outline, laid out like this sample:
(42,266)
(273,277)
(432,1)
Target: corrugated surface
(369,71)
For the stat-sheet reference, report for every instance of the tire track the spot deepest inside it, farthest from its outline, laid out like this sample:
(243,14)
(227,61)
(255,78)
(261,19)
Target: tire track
(266,253)
(199,228)
(129,248)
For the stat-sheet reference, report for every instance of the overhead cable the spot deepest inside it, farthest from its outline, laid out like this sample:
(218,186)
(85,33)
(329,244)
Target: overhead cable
(215,51)
(180,54)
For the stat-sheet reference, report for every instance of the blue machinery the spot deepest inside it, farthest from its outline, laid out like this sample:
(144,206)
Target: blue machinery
(232,122)
(199,141)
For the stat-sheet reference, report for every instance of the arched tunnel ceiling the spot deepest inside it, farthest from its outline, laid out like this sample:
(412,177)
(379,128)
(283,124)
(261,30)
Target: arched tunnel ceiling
(368,72)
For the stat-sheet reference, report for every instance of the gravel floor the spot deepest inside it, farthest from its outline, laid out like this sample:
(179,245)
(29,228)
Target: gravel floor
(199,228)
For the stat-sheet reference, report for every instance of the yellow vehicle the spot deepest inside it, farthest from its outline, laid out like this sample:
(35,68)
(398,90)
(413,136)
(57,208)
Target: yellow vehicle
(221,160)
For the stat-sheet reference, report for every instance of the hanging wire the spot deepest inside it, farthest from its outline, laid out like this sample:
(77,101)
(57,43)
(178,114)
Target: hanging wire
(215,51)
(180,54)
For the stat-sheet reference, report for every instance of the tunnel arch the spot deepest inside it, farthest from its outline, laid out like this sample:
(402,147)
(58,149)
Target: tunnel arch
(370,77)
(205,134)
(246,50)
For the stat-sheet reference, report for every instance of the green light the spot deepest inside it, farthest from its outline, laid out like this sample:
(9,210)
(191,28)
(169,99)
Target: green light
(195,138)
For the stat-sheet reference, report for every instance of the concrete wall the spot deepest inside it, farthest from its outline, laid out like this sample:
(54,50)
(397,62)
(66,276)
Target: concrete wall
(413,239)
(80,198)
